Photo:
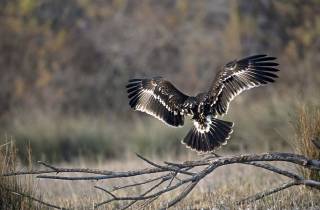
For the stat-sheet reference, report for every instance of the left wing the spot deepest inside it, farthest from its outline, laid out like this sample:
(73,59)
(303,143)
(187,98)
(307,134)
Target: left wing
(158,98)
(237,76)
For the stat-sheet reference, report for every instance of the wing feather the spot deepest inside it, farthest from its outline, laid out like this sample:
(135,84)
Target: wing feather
(158,98)
(238,76)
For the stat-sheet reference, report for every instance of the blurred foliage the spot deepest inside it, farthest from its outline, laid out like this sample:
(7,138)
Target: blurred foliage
(75,56)
(71,58)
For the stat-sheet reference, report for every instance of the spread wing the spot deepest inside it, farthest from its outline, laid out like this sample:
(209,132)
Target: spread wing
(158,98)
(240,75)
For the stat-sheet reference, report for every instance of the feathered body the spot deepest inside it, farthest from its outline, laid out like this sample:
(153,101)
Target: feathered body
(162,100)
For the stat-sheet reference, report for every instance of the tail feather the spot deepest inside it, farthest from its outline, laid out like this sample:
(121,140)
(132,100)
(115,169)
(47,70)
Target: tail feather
(209,139)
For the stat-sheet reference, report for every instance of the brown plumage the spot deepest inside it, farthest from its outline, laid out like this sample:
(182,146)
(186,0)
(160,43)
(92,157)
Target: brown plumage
(162,100)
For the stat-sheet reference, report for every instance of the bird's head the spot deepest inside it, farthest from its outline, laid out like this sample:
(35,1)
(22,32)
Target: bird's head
(231,65)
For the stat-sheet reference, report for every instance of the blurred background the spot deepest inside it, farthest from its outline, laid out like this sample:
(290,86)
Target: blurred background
(65,64)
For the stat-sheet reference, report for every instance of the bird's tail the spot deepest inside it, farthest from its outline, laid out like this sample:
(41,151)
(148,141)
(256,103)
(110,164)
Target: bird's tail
(209,136)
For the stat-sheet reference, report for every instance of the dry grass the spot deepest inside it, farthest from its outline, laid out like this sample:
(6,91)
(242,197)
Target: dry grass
(307,130)
(11,187)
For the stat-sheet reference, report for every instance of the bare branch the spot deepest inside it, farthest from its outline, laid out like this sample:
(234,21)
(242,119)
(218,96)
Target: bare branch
(115,188)
(174,176)
(48,165)
(310,183)
(106,191)
(145,193)
(164,167)
(182,195)
(286,157)
(276,170)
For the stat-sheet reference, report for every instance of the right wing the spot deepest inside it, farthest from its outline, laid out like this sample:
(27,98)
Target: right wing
(158,98)
(238,76)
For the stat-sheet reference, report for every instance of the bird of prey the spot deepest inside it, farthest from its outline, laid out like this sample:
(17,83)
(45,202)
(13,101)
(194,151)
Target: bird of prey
(159,98)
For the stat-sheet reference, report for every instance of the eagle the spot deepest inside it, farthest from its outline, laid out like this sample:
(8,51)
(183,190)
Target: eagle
(161,99)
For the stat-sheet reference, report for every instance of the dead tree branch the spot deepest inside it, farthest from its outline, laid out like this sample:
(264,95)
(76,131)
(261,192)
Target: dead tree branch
(184,176)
